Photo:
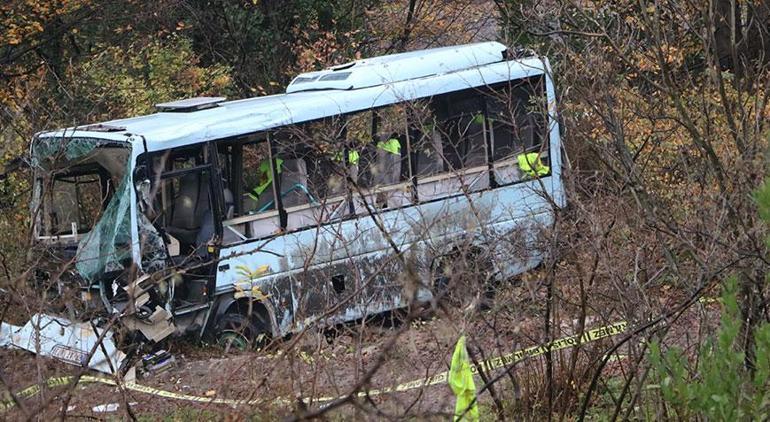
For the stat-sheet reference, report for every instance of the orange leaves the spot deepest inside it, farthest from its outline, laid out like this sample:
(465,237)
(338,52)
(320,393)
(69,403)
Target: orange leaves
(432,22)
(18,30)
(651,60)
(670,161)
(316,48)
(123,29)
(23,20)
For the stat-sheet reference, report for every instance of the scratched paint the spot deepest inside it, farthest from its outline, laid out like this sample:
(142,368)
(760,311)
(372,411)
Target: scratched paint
(357,253)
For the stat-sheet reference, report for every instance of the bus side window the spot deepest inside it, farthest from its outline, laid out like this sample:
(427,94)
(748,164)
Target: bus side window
(326,177)
(517,118)
(313,184)
(426,145)
(386,161)
(464,144)
(451,148)
(362,155)
(257,179)
(391,164)
(317,145)
(294,167)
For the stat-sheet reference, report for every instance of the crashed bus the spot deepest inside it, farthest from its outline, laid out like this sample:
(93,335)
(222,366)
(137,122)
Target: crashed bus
(264,216)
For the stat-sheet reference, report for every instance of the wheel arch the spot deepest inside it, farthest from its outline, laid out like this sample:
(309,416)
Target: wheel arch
(260,314)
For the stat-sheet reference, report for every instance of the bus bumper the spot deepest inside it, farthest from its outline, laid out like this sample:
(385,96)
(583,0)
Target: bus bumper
(79,344)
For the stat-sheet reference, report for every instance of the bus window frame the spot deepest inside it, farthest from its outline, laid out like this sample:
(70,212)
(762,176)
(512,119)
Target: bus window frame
(209,166)
(413,181)
(544,147)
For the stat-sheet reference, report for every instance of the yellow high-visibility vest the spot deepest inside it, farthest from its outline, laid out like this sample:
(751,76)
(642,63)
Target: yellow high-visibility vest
(352,157)
(461,382)
(531,165)
(265,177)
(392,146)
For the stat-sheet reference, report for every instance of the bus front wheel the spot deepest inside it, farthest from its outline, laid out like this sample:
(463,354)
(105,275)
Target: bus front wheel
(238,333)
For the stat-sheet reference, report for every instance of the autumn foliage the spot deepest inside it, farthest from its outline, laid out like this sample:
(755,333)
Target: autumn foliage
(664,108)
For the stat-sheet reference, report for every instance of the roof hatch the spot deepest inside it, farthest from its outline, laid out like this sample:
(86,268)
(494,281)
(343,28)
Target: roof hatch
(102,127)
(382,70)
(190,104)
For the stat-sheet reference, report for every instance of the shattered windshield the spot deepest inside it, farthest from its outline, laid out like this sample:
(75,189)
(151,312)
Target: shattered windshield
(76,192)
(82,193)
(73,201)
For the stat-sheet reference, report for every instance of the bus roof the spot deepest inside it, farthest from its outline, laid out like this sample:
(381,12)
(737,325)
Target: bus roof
(229,119)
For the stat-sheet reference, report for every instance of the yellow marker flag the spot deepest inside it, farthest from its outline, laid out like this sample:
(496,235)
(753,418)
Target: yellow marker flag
(461,381)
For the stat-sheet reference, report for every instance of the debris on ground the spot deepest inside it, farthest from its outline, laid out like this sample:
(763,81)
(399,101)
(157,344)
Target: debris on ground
(79,344)
(157,362)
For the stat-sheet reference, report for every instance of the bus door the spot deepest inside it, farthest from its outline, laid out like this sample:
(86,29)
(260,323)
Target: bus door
(181,204)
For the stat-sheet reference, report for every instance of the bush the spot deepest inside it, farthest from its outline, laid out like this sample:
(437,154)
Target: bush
(720,386)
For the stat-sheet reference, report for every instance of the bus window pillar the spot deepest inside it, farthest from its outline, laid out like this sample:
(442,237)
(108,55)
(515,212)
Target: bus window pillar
(411,156)
(282,216)
(489,136)
(236,182)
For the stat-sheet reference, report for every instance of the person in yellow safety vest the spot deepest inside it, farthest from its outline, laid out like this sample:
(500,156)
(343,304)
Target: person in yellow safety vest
(392,145)
(531,165)
(265,178)
(352,157)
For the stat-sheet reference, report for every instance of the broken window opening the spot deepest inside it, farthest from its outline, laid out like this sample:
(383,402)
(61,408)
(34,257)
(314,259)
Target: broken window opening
(76,193)
(178,206)
(427,145)
(83,193)
(319,174)
(383,168)
(517,116)
(391,131)
(257,178)
(463,141)
(450,145)
(74,203)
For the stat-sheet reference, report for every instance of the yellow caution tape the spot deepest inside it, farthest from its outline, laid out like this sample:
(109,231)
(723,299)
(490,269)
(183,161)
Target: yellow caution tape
(707,300)
(440,378)
(507,359)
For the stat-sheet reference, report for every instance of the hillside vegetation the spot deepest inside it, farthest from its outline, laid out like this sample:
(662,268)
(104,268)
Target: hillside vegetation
(664,110)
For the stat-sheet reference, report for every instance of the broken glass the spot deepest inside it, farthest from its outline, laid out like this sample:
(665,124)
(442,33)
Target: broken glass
(85,190)
(107,247)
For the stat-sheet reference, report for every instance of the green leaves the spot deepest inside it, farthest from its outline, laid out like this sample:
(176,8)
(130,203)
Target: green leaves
(718,387)
(762,198)
(123,82)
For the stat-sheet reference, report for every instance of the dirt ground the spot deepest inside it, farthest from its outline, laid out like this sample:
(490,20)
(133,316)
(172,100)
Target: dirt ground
(280,380)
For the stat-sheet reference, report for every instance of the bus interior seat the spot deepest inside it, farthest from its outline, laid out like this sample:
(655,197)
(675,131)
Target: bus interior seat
(204,235)
(190,206)
(388,168)
(206,231)
(430,157)
(293,176)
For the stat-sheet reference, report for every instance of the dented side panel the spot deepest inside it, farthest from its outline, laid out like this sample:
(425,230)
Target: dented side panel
(358,251)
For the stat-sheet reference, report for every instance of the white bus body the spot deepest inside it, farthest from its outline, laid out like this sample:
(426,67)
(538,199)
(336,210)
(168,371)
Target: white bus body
(315,254)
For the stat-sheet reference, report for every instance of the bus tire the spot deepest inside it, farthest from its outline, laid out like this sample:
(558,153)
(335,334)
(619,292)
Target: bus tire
(238,332)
